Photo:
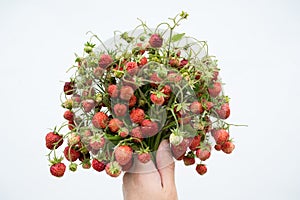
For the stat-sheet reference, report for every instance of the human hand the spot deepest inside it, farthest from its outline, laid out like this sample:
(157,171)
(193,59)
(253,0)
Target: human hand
(148,182)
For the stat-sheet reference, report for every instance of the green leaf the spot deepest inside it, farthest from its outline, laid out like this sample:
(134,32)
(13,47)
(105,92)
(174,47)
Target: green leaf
(177,37)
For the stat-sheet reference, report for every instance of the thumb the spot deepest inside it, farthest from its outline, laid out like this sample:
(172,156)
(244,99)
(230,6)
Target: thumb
(165,164)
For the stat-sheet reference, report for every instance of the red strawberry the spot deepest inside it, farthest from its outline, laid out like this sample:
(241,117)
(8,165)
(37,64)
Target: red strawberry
(71,125)
(115,124)
(88,105)
(216,74)
(132,101)
(149,128)
(98,72)
(201,169)
(100,120)
(105,60)
(97,142)
(157,99)
(218,147)
(143,61)
(137,133)
(98,165)
(174,62)
(137,115)
(126,93)
(113,169)
(123,154)
(73,139)
(195,142)
(207,104)
(132,68)
(69,115)
(69,87)
(89,92)
(196,107)
(156,41)
(123,132)
(174,77)
(179,150)
(220,136)
(224,112)
(166,90)
(76,100)
(228,147)
(215,90)
(189,159)
(120,110)
(203,154)
(71,154)
(113,91)
(58,169)
(155,79)
(53,138)
(144,157)
(183,62)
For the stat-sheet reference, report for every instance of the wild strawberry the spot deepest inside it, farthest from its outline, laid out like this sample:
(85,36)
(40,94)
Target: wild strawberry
(215,89)
(123,132)
(157,99)
(120,110)
(105,60)
(123,154)
(88,105)
(100,120)
(156,41)
(166,90)
(71,154)
(180,149)
(224,111)
(215,75)
(69,87)
(203,153)
(86,164)
(113,91)
(174,62)
(113,169)
(149,128)
(137,115)
(69,115)
(174,77)
(155,79)
(115,124)
(71,125)
(73,139)
(143,61)
(137,133)
(126,93)
(98,165)
(144,157)
(183,62)
(132,101)
(76,100)
(196,107)
(141,48)
(220,136)
(228,147)
(207,104)
(132,68)
(189,159)
(58,169)
(53,139)
(195,142)
(97,142)
(98,72)
(184,119)
(201,169)
(218,147)
(89,92)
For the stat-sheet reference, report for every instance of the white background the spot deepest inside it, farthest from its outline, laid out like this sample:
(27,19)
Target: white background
(256,43)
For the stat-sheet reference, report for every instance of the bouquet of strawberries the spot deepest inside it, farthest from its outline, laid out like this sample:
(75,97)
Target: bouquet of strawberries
(138,89)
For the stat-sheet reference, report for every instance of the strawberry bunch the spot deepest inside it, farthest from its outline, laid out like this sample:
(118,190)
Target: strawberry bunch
(122,102)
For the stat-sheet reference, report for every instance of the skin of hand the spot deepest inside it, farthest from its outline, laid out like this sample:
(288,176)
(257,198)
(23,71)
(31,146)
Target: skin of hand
(148,182)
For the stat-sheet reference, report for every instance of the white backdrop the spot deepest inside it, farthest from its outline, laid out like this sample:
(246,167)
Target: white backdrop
(256,43)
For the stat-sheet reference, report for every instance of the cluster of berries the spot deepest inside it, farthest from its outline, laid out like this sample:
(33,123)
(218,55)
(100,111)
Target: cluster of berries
(121,103)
